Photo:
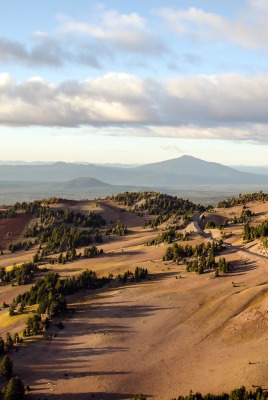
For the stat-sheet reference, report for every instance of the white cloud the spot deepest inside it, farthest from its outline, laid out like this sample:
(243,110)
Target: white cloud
(49,51)
(111,36)
(225,106)
(247,28)
(127,32)
(173,148)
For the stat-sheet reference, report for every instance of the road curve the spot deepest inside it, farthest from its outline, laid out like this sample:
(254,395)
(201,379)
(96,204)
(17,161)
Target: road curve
(196,218)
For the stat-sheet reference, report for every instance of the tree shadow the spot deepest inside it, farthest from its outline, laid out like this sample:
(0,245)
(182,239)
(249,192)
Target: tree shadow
(240,268)
(89,396)
(92,331)
(97,332)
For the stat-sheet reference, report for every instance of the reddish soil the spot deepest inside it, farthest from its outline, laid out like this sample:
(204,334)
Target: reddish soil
(11,229)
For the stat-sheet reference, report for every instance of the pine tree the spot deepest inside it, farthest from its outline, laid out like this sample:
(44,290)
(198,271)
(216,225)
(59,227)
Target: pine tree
(15,389)
(6,367)
(9,342)
(2,345)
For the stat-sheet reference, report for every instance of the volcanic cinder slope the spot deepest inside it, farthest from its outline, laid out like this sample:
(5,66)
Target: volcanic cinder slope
(163,337)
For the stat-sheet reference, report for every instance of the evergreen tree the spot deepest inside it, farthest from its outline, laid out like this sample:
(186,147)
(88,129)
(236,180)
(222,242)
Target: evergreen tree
(6,367)
(15,389)
(2,345)
(9,342)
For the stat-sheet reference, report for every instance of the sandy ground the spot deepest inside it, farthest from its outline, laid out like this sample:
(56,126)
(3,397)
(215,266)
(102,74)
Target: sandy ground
(163,337)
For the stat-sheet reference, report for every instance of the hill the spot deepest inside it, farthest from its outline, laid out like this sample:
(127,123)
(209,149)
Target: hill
(193,171)
(185,170)
(155,335)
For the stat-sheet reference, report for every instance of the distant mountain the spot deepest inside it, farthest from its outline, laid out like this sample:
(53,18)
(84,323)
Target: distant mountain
(81,183)
(185,170)
(115,165)
(188,170)
(20,162)
(74,184)
(118,165)
(80,188)
(261,170)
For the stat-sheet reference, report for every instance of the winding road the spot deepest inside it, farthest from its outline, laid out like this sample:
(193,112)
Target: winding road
(196,218)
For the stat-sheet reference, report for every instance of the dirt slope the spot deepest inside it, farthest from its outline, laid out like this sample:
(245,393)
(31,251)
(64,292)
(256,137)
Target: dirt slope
(176,332)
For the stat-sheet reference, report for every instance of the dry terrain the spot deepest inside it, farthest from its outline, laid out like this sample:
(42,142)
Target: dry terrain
(162,337)
(12,228)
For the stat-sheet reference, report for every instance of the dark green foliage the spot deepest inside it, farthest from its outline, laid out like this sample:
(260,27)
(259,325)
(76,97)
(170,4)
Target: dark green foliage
(26,245)
(49,293)
(92,251)
(10,213)
(223,266)
(255,232)
(2,346)
(237,394)
(243,199)
(162,205)
(119,229)
(2,274)
(34,325)
(168,236)
(15,389)
(245,216)
(62,238)
(22,274)
(29,208)
(198,258)
(49,215)
(138,275)
(58,230)
(178,251)
(8,342)
(6,367)
(210,225)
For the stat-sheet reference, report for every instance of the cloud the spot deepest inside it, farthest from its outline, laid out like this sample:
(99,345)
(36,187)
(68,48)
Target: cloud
(228,106)
(112,37)
(48,51)
(110,99)
(247,28)
(173,148)
(124,32)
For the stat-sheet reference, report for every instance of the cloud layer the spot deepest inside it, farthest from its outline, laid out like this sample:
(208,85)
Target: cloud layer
(112,37)
(247,27)
(226,106)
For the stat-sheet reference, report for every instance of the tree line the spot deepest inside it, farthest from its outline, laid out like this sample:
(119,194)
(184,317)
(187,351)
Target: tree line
(198,258)
(23,273)
(14,389)
(50,292)
(243,199)
(255,232)
(162,205)
(236,394)
(168,236)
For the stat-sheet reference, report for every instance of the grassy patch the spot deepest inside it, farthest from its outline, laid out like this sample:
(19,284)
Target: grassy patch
(8,322)
(10,267)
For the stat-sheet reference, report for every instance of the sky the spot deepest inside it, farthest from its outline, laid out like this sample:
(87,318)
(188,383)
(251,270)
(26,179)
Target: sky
(134,82)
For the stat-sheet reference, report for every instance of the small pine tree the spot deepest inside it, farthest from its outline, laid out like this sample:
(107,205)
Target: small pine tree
(9,342)
(2,345)
(6,367)
(15,389)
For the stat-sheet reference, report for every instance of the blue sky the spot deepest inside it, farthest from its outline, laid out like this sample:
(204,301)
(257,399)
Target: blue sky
(134,82)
